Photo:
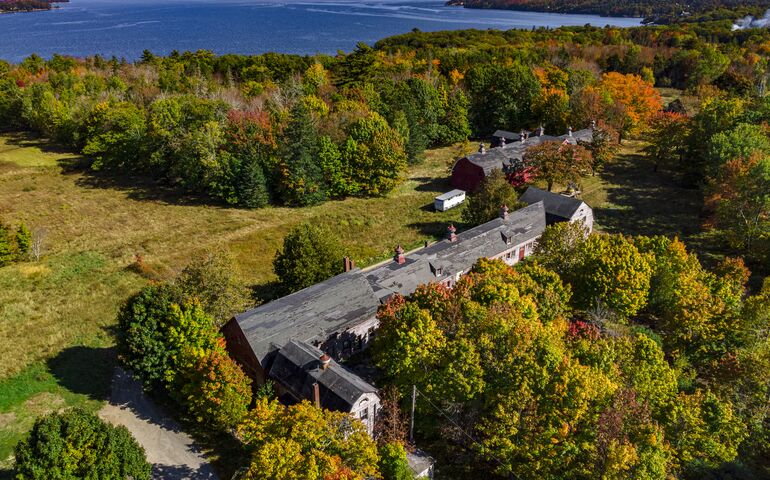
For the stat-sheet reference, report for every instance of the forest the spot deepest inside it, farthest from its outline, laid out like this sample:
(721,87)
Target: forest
(610,356)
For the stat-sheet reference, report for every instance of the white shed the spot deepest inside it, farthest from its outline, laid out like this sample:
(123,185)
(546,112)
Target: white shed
(449,200)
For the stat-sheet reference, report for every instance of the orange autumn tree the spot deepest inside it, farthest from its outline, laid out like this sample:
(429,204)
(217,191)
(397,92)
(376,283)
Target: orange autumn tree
(551,105)
(635,100)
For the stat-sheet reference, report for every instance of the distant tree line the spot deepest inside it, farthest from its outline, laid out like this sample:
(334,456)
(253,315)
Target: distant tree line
(653,11)
(284,129)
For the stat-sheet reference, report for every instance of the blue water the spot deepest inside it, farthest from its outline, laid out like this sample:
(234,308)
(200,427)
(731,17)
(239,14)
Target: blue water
(125,28)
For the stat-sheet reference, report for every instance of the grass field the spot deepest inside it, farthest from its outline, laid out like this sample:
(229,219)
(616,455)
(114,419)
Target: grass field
(56,315)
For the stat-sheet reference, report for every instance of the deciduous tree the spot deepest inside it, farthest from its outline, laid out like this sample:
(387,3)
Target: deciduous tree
(304,442)
(558,162)
(76,444)
(493,193)
(310,255)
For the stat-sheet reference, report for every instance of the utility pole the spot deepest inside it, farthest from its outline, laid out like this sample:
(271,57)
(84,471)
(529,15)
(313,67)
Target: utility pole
(411,424)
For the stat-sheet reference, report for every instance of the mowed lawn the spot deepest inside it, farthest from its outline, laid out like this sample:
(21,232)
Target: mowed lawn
(57,315)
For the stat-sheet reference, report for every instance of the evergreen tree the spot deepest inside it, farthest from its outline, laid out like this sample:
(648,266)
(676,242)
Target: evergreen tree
(302,180)
(7,247)
(252,185)
(23,241)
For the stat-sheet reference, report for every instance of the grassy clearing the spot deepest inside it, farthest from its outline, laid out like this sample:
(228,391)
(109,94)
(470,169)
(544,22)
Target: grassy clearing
(96,225)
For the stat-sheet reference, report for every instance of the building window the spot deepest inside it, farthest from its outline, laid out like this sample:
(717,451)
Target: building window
(364,415)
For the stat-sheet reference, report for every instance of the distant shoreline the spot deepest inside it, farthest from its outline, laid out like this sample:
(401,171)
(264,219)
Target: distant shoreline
(26,6)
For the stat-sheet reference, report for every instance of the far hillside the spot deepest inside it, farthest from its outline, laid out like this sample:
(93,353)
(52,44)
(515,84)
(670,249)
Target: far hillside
(653,11)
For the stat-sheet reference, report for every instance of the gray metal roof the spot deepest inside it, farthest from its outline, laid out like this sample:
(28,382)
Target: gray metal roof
(483,241)
(555,204)
(450,194)
(340,302)
(297,367)
(506,135)
(309,314)
(512,153)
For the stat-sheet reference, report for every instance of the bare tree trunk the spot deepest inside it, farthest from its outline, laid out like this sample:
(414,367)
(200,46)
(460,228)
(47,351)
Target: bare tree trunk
(38,243)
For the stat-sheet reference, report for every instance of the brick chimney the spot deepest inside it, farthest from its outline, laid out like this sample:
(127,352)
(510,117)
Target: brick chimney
(316,395)
(399,257)
(502,142)
(348,264)
(450,233)
(522,136)
(504,212)
(482,148)
(541,131)
(569,131)
(325,361)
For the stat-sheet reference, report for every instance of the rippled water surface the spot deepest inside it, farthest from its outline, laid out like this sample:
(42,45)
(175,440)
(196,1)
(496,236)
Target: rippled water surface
(125,28)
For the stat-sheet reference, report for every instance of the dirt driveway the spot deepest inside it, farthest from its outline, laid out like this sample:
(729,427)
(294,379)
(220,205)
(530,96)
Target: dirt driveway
(172,453)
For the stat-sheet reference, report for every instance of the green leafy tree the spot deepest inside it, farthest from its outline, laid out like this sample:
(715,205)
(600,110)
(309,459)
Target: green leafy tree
(7,245)
(212,279)
(310,255)
(494,192)
(740,196)
(500,96)
(557,248)
(304,442)
(704,432)
(557,162)
(393,464)
(213,388)
(23,241)
(741,142)
(75,444)
(612,271)
(374,155)
(153,330)
(115,135)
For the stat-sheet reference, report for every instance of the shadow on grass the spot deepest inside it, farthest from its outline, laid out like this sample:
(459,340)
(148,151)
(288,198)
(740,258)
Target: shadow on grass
(645,202)
(84,370)
(137,187)
(432,184)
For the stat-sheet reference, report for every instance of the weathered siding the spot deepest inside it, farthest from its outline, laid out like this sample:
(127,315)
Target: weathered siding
(467,176)
(240,350)
(365,410)
(342,345)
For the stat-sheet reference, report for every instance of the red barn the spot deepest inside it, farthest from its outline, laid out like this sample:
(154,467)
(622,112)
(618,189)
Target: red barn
(470,171)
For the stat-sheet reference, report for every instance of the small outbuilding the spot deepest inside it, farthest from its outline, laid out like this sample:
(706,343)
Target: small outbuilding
(449,200)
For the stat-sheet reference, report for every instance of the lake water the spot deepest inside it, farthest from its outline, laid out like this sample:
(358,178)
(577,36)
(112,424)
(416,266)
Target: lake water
(125,28)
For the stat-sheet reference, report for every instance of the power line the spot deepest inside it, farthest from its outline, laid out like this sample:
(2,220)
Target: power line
(439,410)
